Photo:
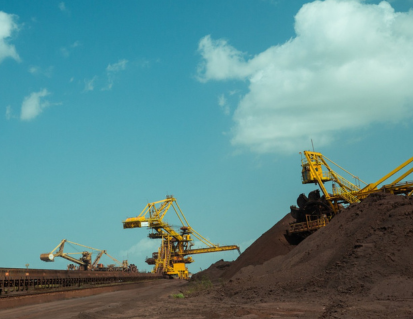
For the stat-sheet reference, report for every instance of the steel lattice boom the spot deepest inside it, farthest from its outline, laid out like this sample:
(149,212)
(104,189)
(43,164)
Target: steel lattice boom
(175,247)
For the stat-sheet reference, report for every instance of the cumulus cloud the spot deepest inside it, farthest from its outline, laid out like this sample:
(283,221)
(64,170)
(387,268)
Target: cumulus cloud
(349,65)
(221,61)
(33,105)
(7,27)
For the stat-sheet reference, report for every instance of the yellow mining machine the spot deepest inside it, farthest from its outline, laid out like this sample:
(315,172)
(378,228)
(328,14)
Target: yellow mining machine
(85,262)
(316,210)
(173,254)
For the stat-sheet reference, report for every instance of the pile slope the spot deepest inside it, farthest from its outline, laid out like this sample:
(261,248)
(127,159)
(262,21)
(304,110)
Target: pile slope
(213,273)
(364,251)
(271,244)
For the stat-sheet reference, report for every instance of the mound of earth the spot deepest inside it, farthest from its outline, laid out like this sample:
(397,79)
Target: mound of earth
(366,251)
(213,273)
(271,244)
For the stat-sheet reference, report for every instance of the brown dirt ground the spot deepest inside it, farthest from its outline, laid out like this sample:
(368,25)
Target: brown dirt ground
(359,266)
(153,300)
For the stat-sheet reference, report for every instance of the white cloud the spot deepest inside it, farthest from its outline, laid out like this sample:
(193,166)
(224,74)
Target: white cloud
(144,63)
(7,27)
(118,66)
(140,251)
(33,105)
(221,61)
(223,103)
(9,113)
(90,84)
(66,51)
(350,65)
(111,69)
(63,8)
(35,70)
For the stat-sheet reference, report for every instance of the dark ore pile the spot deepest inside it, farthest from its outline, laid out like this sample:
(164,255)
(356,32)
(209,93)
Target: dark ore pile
(364,254)
(213,273)
(271,244)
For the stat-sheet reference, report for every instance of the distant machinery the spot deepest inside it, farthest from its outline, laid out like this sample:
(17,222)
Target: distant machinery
(316,210)
(85,261)
(173,254)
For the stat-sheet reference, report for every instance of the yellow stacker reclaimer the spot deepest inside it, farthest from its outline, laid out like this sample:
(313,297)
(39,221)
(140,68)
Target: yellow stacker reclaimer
(176,246)
(315,210)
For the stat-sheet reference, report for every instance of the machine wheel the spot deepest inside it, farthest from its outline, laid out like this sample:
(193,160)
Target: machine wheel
(313,205)
(317,208)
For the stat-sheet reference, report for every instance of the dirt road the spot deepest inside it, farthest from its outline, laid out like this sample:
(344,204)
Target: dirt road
(117,304)
(152,300)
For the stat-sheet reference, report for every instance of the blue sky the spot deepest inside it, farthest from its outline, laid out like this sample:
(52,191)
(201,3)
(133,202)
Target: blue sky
(110,105)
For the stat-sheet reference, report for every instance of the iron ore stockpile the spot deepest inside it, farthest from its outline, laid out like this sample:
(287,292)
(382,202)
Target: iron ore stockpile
(271,244)
(364,256)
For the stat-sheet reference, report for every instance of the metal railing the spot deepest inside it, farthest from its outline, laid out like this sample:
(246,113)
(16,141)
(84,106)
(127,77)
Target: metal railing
(309,225)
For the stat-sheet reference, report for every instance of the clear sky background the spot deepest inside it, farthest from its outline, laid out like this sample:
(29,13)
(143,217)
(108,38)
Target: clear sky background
(109,105)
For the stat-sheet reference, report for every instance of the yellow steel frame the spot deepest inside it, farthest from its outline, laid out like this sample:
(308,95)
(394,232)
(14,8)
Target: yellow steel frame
(174,246)
(309,225)
(64,255)
(346,191)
